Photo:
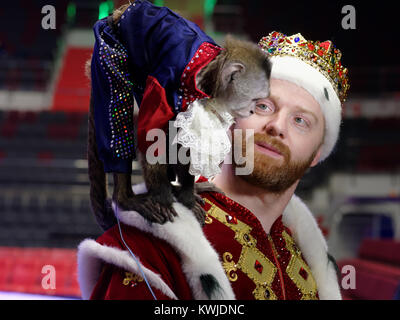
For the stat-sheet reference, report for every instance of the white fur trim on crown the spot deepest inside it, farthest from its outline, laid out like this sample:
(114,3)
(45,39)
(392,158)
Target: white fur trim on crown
(302,74)
(92,255)
(308,236)
(197,254)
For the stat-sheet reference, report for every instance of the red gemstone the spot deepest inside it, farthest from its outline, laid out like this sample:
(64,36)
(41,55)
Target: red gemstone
(320,52)
(303,273)
(207,206)
(311,47)
(231,219)
(326,45)
(258,266)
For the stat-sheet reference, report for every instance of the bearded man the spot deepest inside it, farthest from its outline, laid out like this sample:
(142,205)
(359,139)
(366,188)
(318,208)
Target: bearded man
(259,241)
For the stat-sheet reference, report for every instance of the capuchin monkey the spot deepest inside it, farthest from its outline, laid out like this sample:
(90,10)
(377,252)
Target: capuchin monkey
(234,80)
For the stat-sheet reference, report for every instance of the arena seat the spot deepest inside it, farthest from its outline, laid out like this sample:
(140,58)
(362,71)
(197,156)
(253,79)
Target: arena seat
(382,250)
(377,268)
(368,145)
(21,270)
(29,51)
(72,92)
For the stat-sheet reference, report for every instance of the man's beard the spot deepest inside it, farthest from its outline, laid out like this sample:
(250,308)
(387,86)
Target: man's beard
(273,174)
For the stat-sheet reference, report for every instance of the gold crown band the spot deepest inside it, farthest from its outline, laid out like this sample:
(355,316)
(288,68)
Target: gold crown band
(320,55)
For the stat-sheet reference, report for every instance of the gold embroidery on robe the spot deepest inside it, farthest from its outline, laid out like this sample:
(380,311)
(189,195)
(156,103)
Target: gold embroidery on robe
(131,279)
(208,219)
(250,257)
(257,266)
(229,266)
(299,271)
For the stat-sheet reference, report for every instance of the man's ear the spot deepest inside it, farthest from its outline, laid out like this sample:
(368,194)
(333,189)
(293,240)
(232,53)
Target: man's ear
(230,71)
(316,158)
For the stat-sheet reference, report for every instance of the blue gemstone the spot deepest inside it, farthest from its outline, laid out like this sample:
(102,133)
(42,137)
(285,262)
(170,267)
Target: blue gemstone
(297,39)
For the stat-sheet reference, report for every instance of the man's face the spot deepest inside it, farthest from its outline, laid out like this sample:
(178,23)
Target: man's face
(288,133)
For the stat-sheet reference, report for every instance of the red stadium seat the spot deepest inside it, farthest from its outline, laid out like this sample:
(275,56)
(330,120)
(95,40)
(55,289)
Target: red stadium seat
(377,270)
(21,270)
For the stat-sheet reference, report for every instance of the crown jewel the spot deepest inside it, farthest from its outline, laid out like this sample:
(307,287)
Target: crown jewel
(323,56)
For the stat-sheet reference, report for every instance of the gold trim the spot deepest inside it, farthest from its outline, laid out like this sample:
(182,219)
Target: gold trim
(247,261)
(242,230)
(248,256)
(229,266)
(208,219)
(260,293)
(131,279)
(308,287)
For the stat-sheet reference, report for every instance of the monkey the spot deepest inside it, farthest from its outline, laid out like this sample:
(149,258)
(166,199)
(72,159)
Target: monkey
(235,79)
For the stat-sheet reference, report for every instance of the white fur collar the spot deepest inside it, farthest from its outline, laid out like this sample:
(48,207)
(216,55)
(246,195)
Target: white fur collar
(198,256)
(308,237)
(91,256)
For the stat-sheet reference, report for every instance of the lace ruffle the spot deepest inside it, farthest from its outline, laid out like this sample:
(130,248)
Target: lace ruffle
(204,131)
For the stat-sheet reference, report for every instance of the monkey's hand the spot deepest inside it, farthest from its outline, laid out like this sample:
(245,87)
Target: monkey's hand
(154,208)
(206,186)
(193,202)
(198,210)
(163,203)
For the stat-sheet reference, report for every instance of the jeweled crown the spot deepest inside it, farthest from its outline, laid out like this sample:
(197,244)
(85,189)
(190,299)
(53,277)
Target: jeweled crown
(323,56)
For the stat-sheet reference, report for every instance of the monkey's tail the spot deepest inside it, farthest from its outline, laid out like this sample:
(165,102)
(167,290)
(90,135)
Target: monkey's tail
(99,200)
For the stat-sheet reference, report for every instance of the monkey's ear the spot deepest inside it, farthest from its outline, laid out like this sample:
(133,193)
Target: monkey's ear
(230,72)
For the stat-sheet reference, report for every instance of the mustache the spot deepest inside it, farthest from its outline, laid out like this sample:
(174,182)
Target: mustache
(273,142)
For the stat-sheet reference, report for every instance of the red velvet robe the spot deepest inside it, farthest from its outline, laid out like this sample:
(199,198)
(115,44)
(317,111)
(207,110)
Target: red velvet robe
(258,266)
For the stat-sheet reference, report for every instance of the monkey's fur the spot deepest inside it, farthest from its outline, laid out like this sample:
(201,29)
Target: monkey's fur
(235,79)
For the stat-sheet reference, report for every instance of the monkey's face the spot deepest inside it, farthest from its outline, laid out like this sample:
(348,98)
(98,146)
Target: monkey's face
(244,91)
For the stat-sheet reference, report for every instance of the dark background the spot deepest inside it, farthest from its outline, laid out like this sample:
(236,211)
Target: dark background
(371,51)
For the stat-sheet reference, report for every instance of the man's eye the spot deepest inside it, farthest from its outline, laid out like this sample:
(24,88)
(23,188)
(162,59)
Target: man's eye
(300,121)
(264,107)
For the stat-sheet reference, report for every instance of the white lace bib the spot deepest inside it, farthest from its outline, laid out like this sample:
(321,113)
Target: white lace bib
(204,131)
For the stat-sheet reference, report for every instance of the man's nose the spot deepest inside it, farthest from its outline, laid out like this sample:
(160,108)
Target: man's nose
(276,126)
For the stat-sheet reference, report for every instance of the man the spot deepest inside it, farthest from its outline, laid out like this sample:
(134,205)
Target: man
(279,251)
(259,240)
